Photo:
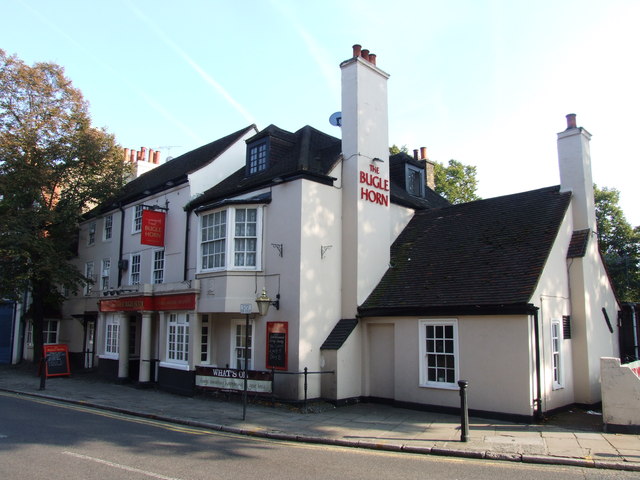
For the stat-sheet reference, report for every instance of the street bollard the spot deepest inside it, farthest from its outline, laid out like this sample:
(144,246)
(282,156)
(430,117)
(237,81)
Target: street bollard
(43,372)
(464,411)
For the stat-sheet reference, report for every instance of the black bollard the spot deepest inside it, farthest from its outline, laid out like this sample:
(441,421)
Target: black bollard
(43,372)
(464,411)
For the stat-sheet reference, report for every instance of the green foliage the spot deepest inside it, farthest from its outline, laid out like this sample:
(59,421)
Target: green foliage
(619,243)
(394,149)
(53,167)
(456,182)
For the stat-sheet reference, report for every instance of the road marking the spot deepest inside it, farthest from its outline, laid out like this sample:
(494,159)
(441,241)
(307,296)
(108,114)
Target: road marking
(117,465)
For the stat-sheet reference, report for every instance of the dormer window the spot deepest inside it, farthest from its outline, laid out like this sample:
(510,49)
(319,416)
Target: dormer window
(414,180)
(257,155)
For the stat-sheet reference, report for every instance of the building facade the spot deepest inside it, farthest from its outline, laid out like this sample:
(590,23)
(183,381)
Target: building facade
(377,278)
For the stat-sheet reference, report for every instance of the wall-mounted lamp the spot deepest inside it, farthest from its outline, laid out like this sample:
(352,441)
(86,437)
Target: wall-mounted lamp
(376,159)
(263,302)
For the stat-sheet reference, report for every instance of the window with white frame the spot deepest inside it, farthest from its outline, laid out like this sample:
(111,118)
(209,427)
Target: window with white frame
(213,236)
(137,219)
(134,269)
(91,239)
(556,353)
(107,231)
(204,340)
(112,335)
(234,234)
(104,273)
(88,273)
(439,356)
(157,275)
(414,180)
(178,338)
(238,346)
(50,331)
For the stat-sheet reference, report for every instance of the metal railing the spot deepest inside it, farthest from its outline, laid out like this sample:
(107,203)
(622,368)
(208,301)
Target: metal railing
(306,374)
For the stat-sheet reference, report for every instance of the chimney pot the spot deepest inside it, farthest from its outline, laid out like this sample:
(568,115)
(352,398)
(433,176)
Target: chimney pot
(423,153)
(571,121)
(365,54)
(372,58)
(156,157)
(356,50)
(415,154)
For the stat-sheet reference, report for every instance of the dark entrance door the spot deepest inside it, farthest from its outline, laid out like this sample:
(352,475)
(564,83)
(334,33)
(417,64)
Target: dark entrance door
(6,330)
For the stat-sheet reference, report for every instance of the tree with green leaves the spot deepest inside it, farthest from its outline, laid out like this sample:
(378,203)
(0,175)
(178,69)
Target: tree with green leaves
(619,243)
(456,182)
(53,166)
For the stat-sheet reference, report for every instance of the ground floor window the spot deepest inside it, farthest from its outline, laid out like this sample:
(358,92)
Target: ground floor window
(178,338)
(111,337)
(556,353)
(238,347)
(50,332)
(439,353)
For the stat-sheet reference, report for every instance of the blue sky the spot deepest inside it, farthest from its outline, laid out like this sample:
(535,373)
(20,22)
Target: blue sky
(485,82)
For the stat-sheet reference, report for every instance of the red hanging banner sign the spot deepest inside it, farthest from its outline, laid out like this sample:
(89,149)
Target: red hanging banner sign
(152,228)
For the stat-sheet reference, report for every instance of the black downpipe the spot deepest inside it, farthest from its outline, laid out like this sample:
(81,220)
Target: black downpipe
(538,401)
(121,246)
(186,248)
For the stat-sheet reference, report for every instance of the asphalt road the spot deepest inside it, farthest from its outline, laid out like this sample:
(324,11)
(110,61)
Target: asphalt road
(43,439)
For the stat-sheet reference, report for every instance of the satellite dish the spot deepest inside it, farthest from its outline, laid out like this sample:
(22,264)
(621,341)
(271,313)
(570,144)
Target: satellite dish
(336,119)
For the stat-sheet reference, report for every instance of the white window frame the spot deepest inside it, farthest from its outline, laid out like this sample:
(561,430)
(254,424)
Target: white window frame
(136,225)
(436,350)
(112,337)
(228,240)
(157,266)
(556,355)
(237,344)
(177,340)
(107,230)
(106,269)
(50,331)
(134,269)
(89,274)
(91,234)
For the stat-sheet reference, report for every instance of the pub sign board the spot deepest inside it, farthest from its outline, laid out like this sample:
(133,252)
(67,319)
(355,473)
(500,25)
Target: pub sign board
(215,378)
(277,345)
(152,232)
(57,360)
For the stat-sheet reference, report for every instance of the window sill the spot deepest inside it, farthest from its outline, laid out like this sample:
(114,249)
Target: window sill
(109,356)
(440,386)
(175,366)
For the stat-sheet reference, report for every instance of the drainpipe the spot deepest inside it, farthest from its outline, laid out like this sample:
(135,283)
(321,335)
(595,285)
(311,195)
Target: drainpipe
(186,248)
(538,400)
(634,322)
(121,244)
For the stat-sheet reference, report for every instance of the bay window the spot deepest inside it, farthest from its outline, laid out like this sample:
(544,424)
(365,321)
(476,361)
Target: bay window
(230,239)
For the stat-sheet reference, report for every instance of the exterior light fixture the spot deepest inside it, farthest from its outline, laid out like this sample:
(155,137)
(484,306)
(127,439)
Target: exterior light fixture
(263,302)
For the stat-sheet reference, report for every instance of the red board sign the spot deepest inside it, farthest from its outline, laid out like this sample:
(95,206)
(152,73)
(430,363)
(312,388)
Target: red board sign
(184,301)
(56,360)
(277,345)
(152,228)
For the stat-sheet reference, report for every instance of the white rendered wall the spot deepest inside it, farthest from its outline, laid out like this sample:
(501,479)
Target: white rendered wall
(366,224)
(620,393)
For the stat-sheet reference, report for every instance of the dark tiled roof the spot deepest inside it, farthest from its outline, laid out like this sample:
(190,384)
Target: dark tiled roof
(578,244)
(339,334)
(307,152)
(483,254)
(175,171)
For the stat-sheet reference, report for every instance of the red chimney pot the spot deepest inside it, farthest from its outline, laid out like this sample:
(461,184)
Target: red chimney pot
(571,121)
(356,50)
(365,54)
(372,58)
(423,153)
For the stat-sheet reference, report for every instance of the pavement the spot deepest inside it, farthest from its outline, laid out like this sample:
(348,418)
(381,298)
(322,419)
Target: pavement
(573,438)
